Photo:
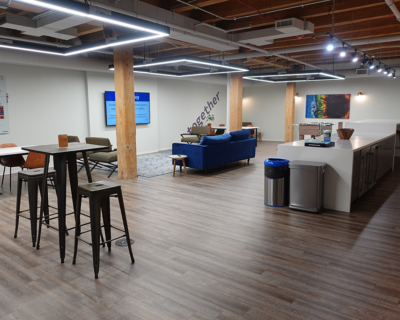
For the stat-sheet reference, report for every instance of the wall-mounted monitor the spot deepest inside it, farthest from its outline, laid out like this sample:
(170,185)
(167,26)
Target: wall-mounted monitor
(142,108)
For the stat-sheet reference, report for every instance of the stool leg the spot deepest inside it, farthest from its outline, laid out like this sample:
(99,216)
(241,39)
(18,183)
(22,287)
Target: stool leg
(184,165)
(77,225)
(95,226)
(19,188)
(105,210)
(128,239)
(46,206)
(32,195)
(2,180)
(173,173)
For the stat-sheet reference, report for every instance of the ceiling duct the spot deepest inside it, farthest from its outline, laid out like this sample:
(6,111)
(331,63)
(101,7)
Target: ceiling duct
(283,29)
(57,25)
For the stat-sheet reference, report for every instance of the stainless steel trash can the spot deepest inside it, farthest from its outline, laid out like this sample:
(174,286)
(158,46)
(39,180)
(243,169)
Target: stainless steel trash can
(276,182)
(307,185)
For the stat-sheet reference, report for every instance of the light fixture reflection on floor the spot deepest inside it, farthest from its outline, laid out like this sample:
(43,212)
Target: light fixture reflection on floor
(145,30)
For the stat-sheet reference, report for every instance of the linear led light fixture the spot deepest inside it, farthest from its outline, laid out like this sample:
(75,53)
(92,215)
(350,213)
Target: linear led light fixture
(268,77)
(193,61)
(145,30)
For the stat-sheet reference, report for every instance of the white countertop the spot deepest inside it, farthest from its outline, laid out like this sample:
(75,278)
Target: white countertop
(358,141)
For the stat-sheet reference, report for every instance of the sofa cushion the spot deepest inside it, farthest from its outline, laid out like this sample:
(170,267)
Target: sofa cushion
(223,138)
(104,156)
(240,135)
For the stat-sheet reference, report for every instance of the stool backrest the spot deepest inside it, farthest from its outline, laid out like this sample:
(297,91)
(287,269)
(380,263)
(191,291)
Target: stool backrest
(100,142)
(201,130)
(34,160)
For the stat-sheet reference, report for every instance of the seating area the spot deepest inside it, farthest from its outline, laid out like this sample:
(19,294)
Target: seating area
(199,160)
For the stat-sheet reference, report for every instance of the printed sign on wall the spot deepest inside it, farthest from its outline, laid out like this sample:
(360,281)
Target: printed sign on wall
(4,124)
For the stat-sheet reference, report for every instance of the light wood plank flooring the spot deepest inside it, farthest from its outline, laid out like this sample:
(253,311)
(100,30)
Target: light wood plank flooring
(208,248)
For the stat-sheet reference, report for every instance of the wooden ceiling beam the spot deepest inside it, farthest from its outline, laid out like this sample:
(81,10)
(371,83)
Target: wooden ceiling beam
(322,17)
(199,3)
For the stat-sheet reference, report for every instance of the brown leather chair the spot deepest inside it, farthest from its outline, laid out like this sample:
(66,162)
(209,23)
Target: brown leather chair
(220,131)
(34,160)
(252,131)
(11,162)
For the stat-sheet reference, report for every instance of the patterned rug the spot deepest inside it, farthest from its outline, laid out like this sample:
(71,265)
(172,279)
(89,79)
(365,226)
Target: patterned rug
(154,164)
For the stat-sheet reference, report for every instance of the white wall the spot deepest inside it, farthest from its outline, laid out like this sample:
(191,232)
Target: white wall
(44,103)
(264,104)
(181,103)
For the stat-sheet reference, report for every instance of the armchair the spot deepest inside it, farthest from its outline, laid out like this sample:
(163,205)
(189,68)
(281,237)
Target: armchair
(195,135)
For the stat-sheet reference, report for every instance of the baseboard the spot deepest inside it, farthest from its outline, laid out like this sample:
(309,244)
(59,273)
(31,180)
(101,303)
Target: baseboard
(272,140)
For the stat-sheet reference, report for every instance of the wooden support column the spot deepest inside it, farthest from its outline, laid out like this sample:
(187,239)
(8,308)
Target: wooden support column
(235,101)
(289,115)
(125,110)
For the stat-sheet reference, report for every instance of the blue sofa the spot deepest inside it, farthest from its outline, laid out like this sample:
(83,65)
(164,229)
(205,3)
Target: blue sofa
(216,151)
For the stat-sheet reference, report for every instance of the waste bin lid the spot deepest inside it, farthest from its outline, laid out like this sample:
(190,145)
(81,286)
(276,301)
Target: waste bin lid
(302,164)
(276,162)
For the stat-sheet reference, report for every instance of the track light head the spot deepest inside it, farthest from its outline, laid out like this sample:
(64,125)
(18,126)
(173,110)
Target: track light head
(379,67)
(386,70)
(394,75)
(343,52)
(365,60)
(330,46)
(389,72)
(371,64)
(354,57)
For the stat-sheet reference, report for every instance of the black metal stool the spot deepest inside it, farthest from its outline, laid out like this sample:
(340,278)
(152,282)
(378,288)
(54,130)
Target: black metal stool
(99,197)
(34,178)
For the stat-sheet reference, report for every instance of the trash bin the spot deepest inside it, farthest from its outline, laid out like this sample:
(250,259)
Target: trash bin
(307,185)
(276,182)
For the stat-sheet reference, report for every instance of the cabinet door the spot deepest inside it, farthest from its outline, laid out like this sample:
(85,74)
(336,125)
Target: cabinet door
(364,170)
(356,175)
(373,165)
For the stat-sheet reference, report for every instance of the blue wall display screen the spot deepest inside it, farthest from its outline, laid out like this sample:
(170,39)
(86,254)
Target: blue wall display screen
(142,108)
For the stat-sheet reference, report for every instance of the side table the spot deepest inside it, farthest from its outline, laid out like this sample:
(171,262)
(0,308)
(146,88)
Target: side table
(178,157)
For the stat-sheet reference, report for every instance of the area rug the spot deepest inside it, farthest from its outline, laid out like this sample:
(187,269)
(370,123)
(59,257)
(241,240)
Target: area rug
(154,164)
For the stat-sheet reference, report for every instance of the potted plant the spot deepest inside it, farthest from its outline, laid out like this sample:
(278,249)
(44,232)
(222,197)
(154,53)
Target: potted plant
(209,119)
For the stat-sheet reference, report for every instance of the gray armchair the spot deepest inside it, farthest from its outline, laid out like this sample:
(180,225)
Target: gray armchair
(195,135)
(105,158)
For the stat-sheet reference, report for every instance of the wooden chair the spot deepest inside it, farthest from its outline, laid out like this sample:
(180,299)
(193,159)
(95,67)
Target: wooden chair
(11,162)
(220,131)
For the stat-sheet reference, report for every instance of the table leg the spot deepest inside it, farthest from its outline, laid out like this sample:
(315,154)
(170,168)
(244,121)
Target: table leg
(60,165)
(73,177)
(173,173)
(88,172)
(184,165)
(44,195)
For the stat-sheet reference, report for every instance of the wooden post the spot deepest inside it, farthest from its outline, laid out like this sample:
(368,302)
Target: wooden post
(236,101)
(289,115)
(125,110)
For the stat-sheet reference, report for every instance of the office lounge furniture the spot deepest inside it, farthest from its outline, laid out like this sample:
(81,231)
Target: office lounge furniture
(11,161)
(217,150)
(99,200)
(195,135)
(60,157)
(106,158)
(34,178)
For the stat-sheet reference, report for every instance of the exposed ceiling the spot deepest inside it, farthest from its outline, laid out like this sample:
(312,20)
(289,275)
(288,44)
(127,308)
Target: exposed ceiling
(247,22)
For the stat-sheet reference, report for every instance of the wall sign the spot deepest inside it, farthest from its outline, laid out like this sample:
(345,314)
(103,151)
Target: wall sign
(328,106)
(207,109)
(4,124)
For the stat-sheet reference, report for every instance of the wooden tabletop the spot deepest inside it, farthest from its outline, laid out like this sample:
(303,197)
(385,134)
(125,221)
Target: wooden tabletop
(72,147)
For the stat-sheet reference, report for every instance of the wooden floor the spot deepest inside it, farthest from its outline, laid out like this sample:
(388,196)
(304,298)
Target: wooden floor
(207,247)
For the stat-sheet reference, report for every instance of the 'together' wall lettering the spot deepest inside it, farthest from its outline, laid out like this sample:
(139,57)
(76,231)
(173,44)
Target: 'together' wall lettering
(207,110)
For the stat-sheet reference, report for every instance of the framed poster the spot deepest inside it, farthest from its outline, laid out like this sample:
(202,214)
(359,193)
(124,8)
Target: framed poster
(328,106)
(4,124)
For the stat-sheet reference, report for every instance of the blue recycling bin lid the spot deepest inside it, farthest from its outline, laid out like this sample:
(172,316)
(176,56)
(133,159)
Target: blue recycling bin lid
(276,162)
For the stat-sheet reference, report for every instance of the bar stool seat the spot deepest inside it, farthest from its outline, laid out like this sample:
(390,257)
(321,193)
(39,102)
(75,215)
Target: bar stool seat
(99,198)
(34,178)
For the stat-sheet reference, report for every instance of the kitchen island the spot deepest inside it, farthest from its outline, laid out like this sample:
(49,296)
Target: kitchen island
(353,166)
